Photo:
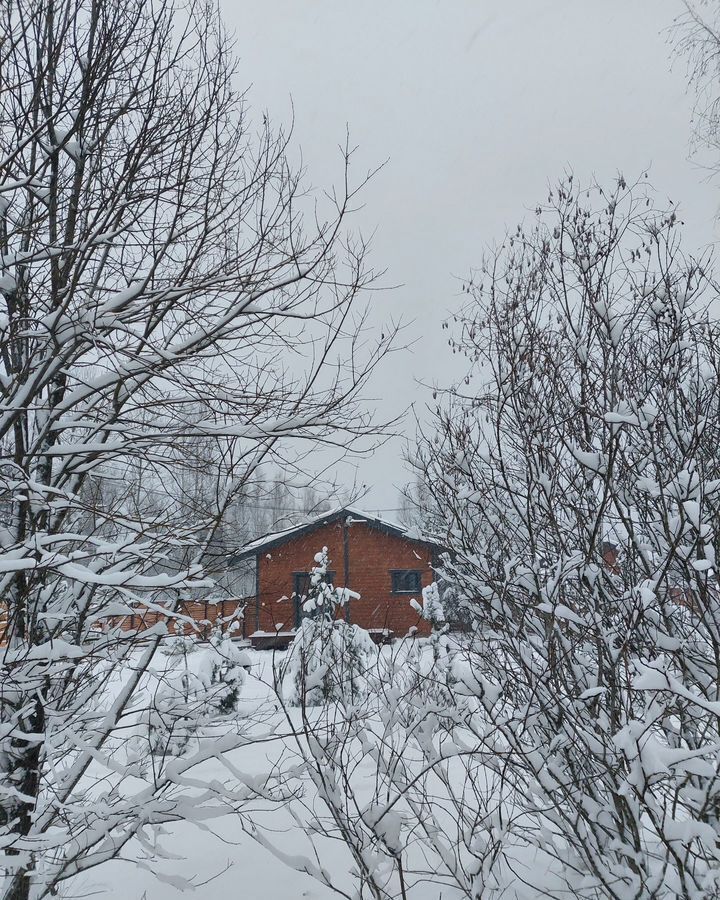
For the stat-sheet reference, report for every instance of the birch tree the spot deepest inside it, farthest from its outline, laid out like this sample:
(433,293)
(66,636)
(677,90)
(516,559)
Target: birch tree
(166,278)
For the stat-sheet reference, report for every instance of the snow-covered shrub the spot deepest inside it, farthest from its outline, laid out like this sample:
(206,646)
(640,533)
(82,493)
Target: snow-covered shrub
(433,609)
(228,667)
(171,719)
(195,692)
(427,676)
(329,659)
(179,644)
(579,477)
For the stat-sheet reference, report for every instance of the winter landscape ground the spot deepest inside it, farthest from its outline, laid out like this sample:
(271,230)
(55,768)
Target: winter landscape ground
(221,860)
(223,855)
(217,859)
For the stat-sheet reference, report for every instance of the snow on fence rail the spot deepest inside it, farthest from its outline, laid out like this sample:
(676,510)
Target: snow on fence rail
(197,617)
(191,617)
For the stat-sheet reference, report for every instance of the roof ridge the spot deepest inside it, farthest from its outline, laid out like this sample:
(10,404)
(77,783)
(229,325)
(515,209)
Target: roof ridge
(272,538)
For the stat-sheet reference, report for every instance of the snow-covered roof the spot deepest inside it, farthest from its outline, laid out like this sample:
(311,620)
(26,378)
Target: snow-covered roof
(349,513)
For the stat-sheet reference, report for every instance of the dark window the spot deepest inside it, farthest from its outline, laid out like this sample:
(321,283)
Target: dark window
(406,581)
(301,584)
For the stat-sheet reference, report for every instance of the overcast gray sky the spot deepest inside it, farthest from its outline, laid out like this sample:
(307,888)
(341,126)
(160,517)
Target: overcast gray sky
(477,105)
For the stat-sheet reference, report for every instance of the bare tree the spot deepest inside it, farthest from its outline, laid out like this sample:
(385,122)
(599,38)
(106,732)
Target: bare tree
(696,42)
(578,469)
(166,282)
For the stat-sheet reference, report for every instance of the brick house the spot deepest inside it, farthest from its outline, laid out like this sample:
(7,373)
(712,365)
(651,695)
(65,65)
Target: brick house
(386,564)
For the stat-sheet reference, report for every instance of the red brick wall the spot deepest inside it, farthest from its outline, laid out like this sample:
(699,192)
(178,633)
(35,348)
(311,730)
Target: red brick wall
(372,554)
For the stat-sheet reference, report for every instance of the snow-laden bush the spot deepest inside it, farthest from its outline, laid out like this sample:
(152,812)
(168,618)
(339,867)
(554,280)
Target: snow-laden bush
(329,659)
(579,476)
(171,719)
(194,693)
(423,674)
(179,644)
(432,609)
(228,665)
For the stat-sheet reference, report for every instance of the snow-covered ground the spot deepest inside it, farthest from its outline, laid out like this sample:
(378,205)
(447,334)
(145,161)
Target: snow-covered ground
(219,859)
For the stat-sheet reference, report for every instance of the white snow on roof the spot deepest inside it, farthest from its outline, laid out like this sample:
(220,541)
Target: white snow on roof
(353,514)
